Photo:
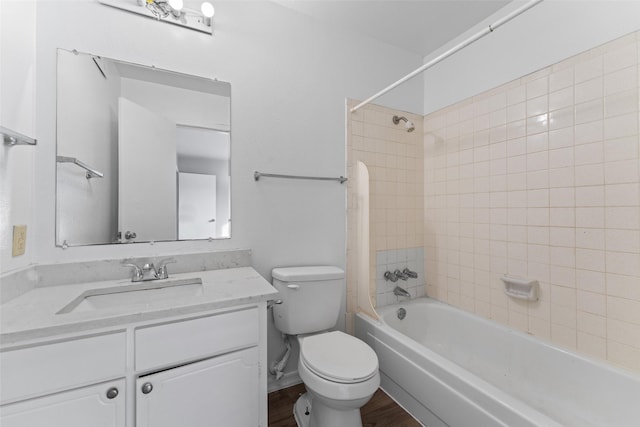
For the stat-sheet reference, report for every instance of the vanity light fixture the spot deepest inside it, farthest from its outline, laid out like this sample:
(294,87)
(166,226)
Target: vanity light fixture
(171,11)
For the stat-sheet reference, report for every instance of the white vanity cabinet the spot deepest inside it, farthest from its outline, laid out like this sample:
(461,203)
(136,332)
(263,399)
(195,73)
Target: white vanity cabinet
(221,384)
(198,371)
(216,391)
(67,383)
(101,405)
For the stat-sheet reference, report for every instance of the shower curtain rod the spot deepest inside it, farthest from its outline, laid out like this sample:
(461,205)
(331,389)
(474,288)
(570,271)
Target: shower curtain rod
(450,52)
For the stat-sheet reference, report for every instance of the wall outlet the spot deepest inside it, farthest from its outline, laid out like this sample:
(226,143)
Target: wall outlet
(19,240)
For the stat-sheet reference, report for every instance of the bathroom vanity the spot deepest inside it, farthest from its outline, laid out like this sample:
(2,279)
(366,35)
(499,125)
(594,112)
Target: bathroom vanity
(192,357)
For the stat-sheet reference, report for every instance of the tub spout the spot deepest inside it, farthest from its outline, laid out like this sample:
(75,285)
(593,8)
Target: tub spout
(398,291)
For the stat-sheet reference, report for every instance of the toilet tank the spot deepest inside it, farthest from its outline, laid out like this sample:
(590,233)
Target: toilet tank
(311,298)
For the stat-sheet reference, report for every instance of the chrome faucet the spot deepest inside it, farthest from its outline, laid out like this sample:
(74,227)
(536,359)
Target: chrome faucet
(149,272)
(398,291)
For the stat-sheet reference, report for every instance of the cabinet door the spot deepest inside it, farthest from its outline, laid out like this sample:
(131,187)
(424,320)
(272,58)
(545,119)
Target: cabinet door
(222,391)
(87,406)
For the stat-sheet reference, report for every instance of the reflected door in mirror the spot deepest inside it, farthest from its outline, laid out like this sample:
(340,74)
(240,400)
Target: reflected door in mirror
(196,206)
(147,187)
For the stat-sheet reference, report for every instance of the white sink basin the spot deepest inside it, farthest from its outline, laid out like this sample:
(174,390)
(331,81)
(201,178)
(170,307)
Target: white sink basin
(142,294)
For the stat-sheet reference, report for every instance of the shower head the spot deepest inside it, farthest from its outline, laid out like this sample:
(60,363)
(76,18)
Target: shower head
(408,124)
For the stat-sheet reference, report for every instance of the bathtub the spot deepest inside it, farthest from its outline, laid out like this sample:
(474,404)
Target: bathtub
(448,367)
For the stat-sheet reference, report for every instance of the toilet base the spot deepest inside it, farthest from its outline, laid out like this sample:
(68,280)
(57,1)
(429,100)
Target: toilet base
(302,411)
(323,416)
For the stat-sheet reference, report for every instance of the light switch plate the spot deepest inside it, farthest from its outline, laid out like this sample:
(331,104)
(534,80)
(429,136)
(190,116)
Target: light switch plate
(19,240)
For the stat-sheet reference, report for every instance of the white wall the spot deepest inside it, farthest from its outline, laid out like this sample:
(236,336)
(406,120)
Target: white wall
(288,90)
(289,76)
(549,32)
(183,106)
(17,112)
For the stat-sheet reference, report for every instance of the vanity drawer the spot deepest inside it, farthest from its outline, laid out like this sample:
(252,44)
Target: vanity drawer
(175,343)
(41,369)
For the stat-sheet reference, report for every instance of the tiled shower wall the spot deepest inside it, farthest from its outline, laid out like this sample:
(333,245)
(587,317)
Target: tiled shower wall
(539,178)
(394,158)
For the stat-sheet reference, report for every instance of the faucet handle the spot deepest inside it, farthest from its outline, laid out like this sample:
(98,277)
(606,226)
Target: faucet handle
(137,271)
(401,275)
(165,261)
(390,276)
(410,273)
(162,267)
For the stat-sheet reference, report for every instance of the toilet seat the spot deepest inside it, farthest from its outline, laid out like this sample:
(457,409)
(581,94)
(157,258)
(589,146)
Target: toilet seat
(338,357)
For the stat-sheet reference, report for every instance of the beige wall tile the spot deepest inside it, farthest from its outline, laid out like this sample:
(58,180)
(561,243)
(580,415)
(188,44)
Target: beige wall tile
(588,69)
(564,336)
(592,324)
(621,80)
(507,177)
(624,355)
(547,183)
(589,90)
(592,345)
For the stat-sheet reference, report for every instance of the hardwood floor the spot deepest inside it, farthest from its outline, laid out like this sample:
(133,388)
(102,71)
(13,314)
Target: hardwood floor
(380,411)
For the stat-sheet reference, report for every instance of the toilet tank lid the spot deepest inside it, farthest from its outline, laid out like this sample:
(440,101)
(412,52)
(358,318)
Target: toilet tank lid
(307,274)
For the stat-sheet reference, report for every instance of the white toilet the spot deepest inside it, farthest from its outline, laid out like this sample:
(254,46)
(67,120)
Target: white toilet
(340,372)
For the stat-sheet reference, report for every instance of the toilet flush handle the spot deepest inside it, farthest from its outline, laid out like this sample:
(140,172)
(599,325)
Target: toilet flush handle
(295,287)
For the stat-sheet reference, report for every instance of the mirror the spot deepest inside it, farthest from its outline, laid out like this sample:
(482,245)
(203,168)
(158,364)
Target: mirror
(142,154)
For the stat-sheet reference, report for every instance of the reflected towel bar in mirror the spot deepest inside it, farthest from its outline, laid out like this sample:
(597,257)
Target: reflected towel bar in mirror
(91,173)
(257,175)
(12,138)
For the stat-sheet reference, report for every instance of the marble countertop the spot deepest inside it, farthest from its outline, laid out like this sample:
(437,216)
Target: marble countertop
(34,315)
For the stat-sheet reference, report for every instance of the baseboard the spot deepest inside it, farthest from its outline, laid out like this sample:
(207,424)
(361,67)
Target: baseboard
(287,380)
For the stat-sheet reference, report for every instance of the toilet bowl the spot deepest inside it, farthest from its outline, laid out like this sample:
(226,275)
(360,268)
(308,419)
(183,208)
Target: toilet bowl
(340,372)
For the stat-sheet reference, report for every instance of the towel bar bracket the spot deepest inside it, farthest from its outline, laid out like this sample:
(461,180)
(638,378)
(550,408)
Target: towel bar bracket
(12,138)
(91,173)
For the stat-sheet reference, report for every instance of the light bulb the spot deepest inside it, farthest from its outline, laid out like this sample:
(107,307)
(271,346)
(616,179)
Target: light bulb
(176,7)
(207,9)
(176,4)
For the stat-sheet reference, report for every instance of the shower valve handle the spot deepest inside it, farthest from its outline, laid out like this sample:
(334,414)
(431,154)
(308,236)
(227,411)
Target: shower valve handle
(390,276)
(410,273)
(399,274)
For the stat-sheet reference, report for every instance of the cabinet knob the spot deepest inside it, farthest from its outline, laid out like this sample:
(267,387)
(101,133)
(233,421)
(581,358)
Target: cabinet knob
(146,388)
(112,393)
